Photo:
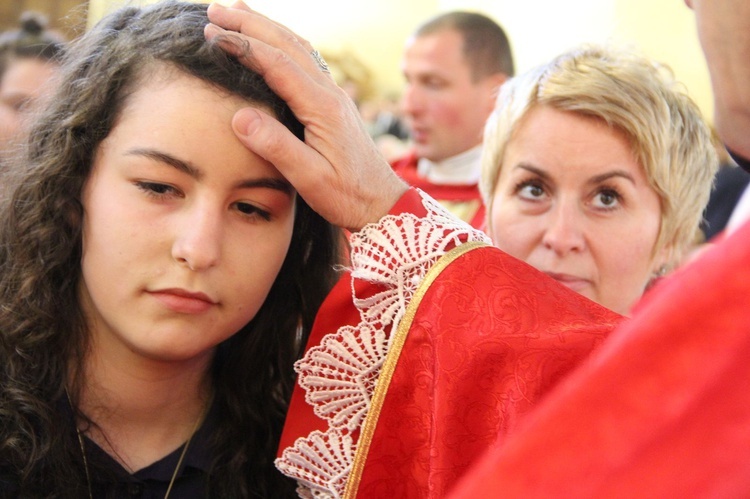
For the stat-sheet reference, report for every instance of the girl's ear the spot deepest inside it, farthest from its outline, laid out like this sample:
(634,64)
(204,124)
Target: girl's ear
(73,213)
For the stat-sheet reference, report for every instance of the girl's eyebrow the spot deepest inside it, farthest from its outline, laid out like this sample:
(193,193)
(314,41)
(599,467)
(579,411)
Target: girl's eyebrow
(275,183)
(161,157)
(279,184)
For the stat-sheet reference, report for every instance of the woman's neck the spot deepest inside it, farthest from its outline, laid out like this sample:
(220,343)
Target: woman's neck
(143,409)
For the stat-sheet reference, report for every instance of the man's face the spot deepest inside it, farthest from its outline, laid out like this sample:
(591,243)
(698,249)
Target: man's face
(445,108)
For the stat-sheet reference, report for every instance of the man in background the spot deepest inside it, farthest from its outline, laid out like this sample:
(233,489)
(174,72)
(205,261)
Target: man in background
(454,65)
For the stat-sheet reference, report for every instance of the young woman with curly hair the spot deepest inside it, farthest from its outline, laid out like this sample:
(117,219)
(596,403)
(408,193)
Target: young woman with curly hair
(158,279)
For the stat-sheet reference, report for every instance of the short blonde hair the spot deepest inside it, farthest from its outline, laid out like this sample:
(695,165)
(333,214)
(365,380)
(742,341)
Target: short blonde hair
(640,98)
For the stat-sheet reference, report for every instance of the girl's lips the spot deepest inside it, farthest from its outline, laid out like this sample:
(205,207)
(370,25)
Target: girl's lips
(183,301)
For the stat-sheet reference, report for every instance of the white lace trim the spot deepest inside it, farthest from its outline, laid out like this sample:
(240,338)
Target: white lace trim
(339,375)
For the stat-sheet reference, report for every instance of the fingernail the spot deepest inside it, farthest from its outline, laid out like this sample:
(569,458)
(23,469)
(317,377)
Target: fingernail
(246,121)
(213,7)
(211,29)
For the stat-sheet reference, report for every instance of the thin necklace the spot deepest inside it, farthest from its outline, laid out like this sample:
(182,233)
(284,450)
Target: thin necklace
(174,473)
(83,453)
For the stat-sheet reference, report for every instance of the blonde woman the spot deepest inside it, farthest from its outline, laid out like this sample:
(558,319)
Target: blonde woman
(596,170)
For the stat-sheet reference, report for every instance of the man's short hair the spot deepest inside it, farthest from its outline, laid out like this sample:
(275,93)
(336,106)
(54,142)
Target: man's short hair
(486,47)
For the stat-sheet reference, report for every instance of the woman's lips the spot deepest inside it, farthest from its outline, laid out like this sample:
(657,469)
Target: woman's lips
(571,281)
(183,301)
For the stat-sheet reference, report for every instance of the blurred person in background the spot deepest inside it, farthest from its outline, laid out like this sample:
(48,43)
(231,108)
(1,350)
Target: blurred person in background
(730,197)
(454,65)
(28,62)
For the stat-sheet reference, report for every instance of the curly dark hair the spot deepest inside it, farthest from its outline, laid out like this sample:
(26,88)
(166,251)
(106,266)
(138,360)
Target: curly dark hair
(43,336)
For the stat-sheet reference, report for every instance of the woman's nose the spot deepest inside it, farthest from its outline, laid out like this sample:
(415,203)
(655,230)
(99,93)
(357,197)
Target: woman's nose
(197,242)
(564,232)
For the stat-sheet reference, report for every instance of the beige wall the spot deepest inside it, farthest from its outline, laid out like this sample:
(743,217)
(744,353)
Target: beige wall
(662,29)
(374,31)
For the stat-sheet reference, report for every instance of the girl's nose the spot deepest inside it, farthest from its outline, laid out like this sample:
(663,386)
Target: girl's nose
(197,243)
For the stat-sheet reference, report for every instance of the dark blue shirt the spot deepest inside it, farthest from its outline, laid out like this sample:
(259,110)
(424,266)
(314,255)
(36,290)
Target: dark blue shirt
(152,481)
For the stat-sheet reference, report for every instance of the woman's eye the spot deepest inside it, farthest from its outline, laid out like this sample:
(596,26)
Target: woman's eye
(156,189)
(607,199)
(531,191)
(253,211)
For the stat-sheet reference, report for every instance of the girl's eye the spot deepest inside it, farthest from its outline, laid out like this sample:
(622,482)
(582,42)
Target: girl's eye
(530,190)
(607,199)
(253,211)
(156,189)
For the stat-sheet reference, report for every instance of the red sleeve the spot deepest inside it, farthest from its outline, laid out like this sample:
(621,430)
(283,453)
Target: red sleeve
(410,202)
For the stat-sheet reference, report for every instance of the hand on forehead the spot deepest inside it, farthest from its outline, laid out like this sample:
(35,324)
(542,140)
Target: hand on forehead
(338,169)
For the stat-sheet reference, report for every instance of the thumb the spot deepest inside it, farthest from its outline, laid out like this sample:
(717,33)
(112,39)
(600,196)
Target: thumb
(267,137)
(301,165)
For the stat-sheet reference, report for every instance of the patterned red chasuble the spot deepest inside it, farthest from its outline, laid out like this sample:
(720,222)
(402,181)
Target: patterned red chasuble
(481,338)
(490,337)
(662,409)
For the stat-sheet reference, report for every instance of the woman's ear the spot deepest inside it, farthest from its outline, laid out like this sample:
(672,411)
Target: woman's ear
(662,264)
(664,260)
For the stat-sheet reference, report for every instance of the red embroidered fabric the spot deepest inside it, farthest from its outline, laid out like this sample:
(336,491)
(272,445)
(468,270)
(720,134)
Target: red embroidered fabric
(661,410)
(341,367)
(490,338)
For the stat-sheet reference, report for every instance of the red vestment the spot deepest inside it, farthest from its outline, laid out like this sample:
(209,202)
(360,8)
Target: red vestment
(482,339)
(662,409)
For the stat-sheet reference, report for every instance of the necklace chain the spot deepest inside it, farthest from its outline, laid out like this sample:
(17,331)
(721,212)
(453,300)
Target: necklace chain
(85,462)
(174,473)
